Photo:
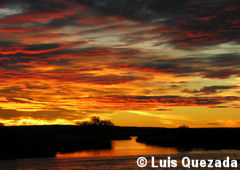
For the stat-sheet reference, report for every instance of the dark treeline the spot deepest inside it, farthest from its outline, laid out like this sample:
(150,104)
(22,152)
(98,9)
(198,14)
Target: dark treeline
(42,141)
(193,138)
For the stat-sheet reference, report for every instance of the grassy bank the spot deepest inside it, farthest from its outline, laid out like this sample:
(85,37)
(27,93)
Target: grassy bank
(190,138)
(44,141)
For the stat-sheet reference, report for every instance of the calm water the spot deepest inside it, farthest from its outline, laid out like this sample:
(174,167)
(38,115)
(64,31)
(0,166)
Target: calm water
(123,155)
(122,148)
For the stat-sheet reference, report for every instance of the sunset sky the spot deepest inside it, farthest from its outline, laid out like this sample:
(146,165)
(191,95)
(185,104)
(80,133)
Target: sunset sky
(161,63)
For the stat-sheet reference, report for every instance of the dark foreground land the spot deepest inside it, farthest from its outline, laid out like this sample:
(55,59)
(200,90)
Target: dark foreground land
(193,138)
(46,141)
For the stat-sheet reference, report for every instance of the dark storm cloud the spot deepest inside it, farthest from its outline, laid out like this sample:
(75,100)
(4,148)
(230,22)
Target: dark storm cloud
(18,48)
(221,74)
(213,67)
(40,47)
(225,60)
(17,56)
(35,5)
(14,56)
(179,67)
(6,43)
(210,89)
(190,23)
(144,10)
(168,100)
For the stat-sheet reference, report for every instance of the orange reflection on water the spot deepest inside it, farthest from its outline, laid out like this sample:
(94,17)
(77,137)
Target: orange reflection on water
(121,148)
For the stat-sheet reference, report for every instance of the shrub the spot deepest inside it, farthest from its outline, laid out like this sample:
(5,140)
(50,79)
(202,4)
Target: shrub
(95,122)
(183,127)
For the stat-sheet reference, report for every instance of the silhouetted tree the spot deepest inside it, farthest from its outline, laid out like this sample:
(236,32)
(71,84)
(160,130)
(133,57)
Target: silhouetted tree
(183,127)
(95,122)
(1,124)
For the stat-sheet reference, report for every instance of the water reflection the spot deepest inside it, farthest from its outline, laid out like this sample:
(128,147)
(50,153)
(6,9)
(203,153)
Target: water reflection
(121,148)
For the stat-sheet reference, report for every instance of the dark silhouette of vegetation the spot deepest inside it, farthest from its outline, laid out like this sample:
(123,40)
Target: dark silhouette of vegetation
(47,141)
(183,127)
(193,138)
(95,122)
(1,124)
